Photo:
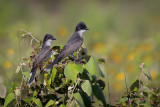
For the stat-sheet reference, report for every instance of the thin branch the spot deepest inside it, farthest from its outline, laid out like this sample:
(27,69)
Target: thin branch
(73,90)
(141,66)
(29,34)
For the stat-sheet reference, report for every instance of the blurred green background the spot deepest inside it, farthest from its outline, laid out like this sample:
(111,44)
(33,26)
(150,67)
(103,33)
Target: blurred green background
(125,33)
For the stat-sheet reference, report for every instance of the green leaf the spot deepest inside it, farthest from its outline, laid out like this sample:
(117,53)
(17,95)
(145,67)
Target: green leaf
(147,74)
(136,89)
(54,71)
(47,80)
(72,104)
(26,74)
(35,93)
(18,69)
(71,71)
(99,94)
(38,102)
(28,100)
(86,86)
(50,103)
(92,67)
(8,99)
(124,99)
(79,99)
(135,84)
(12,88)
(101,60)
(84,75)
(62,105)
(86,99)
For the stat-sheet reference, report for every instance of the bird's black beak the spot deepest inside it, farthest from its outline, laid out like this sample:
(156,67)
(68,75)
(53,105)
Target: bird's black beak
(87,29)
(53,38)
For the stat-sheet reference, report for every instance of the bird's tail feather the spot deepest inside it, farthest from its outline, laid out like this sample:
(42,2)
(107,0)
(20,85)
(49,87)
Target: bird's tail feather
(54,62)
(33,73)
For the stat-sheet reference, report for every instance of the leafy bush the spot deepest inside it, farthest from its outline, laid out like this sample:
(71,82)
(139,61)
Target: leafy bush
(141,95)
(69,83)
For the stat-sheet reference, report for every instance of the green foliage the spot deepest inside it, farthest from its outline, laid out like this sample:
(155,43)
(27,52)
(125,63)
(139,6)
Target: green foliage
(69,83)
(97,92)
(141,95)
(72,70)
(79,99)
(8,99)
(92,67)
(86,87)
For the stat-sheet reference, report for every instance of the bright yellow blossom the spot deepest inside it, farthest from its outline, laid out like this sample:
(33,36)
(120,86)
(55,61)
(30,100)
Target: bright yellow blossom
(99,47)
(153,74)
(120,76)
(10,51)
(131,57)
(7,65)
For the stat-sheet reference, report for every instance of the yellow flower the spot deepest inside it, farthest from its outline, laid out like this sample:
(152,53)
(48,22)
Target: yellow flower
(7,65)
(99,47)
(131,57)
(120,76)
(10,51)
(129,67)
(116,57)
(145,47)
(118,86)
(62,31)
(153,74)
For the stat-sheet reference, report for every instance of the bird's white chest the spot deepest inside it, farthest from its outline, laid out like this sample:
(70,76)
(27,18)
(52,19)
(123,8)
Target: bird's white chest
(81,32)
(48,42)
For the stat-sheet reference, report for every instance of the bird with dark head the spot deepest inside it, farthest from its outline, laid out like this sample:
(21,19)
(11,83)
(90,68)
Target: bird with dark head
(72,45)
(41,57)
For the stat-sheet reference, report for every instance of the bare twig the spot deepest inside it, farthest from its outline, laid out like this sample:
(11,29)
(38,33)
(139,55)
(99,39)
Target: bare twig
(33,38)
(73,90)
(141,66)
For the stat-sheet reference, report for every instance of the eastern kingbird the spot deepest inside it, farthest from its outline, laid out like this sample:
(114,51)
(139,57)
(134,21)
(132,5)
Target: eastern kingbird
(72,45)
(43,54)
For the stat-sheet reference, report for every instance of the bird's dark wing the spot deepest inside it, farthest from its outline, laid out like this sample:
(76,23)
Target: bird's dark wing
(70,47)
(41,56)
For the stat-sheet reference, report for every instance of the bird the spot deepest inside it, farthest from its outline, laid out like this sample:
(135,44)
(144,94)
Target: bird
(72,44)
(42,55)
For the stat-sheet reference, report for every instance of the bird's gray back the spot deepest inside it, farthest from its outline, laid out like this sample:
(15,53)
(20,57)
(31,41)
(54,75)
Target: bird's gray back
(44,52)
(72,45)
